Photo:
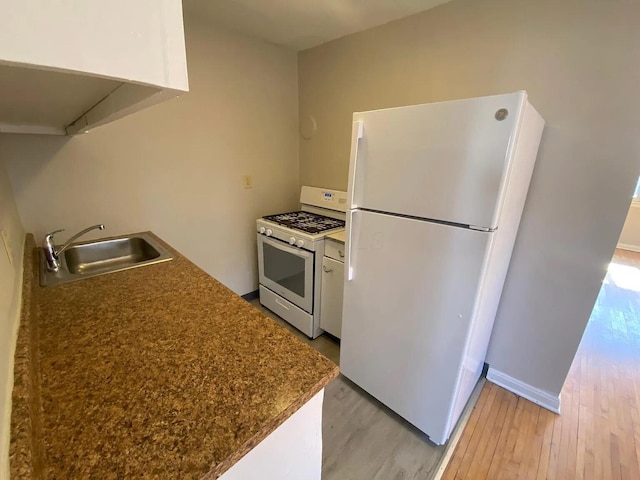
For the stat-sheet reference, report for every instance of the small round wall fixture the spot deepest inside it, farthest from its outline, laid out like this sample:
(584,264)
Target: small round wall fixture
(308,126)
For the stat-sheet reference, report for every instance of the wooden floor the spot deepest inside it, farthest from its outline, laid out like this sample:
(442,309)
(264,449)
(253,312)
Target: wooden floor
(598,434)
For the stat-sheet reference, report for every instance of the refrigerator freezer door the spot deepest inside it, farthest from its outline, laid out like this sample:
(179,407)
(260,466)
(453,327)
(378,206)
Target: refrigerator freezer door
(407,312)
(445,161)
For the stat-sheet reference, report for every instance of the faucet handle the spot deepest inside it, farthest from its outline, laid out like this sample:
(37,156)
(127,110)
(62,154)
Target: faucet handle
(49,236)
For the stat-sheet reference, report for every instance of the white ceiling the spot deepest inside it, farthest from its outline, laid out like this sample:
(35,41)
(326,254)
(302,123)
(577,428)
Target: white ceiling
(301,24)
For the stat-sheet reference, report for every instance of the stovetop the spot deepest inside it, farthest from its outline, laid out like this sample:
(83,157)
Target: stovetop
(306,222)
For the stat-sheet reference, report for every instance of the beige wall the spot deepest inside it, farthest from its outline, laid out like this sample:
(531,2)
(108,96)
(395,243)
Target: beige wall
(630,236)
(578,60)
(177,168)
(10,295)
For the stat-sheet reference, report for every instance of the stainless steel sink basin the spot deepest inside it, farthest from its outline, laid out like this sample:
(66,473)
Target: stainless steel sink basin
(99,257)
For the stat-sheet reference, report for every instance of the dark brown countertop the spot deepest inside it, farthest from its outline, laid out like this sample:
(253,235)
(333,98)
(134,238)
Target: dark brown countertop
(156,372)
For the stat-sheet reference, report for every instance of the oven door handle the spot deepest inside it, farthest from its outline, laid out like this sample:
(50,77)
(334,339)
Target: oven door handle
(281,246)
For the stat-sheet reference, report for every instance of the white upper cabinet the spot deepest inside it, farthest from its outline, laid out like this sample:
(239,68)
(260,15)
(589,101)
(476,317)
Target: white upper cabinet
(67,66)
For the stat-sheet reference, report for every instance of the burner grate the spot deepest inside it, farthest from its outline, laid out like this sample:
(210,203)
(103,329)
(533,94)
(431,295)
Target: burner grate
(306,222)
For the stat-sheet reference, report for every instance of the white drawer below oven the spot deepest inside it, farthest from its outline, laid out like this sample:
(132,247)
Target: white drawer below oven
(288,311)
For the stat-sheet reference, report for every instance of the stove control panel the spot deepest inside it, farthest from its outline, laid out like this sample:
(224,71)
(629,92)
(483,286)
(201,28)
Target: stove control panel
(286,237)
(324,198)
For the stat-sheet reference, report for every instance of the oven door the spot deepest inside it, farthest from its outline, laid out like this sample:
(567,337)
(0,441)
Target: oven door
(286,270)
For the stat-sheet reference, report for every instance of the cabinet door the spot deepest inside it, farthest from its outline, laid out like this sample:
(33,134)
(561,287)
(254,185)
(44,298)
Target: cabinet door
(141,42)
(331,299)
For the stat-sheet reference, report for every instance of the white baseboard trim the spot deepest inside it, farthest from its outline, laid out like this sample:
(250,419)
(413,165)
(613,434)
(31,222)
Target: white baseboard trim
(536,395)
(626,246)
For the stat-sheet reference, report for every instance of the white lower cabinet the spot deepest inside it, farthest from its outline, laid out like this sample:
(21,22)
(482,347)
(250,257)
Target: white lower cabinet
(331,300)
(291,451)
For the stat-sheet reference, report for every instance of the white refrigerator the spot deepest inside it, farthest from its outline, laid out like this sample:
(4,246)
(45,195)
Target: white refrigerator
(435,195)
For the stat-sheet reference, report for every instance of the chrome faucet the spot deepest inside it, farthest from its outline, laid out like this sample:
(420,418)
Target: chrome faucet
(52,254)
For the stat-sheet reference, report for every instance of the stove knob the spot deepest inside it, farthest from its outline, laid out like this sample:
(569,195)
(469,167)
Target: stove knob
(262,230)
(292,241)
(269,232)
(300,243)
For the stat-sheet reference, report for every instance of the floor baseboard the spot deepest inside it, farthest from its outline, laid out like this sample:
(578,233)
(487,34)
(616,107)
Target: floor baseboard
(540,397)
(626,246)
(251,295)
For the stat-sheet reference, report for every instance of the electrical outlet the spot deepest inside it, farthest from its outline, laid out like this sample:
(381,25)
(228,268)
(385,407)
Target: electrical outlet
(5,240)
(247,182)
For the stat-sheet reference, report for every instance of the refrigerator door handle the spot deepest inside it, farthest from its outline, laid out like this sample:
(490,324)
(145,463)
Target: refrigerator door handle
(357,132)
(348,259)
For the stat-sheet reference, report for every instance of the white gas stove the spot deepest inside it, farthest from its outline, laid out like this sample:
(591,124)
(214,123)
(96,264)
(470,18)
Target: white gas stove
(290,251)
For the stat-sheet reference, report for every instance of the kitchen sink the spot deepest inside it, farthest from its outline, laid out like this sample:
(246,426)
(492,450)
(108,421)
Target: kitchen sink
(99,257)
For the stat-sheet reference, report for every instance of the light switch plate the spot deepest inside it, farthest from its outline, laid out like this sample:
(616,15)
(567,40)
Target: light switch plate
(247,181)
(7,248)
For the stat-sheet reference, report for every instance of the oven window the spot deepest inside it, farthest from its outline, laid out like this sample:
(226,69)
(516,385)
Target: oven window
(284,268)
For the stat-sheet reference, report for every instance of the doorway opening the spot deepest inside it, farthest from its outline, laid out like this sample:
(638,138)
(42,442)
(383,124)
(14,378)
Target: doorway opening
(603,385)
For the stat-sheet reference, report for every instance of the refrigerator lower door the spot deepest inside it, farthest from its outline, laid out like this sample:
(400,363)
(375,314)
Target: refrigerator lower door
(407,312)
